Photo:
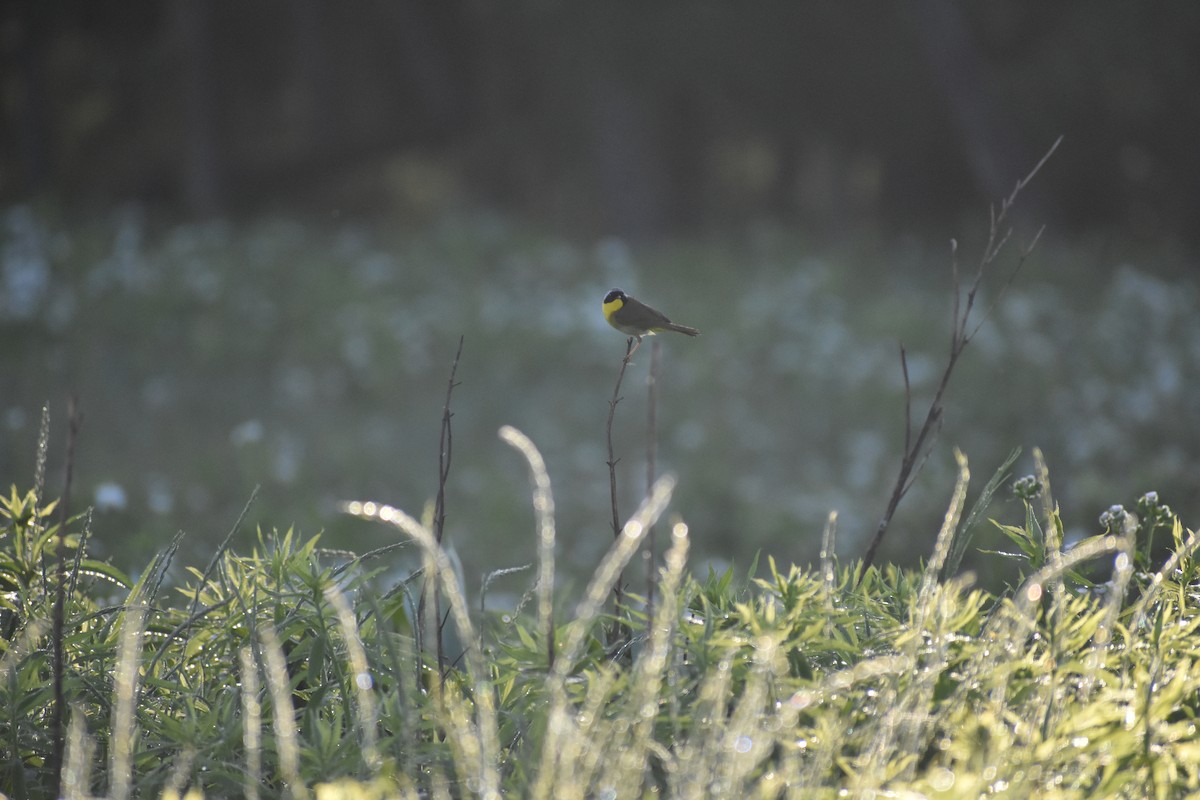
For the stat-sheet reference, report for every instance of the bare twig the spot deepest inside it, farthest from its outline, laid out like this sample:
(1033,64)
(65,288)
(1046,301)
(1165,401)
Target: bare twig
(917,450)
(907,398)
(618,631)
(445,445)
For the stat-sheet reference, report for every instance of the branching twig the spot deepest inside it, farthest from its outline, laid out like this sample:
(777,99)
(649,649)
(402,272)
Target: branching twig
(618,590)
(918,449)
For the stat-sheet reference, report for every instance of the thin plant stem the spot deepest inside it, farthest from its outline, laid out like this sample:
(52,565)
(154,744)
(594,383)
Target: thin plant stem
(828,570)
(39,479)
(619,631)
(445,447)
(58,714)
(445,444)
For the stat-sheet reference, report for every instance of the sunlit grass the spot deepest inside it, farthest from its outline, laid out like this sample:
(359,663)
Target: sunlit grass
(292,671)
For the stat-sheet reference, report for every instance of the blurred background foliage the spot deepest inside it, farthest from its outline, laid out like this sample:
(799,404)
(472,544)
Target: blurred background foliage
(248,236)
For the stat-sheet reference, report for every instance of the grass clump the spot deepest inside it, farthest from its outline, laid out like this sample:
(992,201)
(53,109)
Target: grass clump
(294,671)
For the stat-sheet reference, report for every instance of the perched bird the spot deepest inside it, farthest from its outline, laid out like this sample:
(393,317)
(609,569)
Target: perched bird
(634,318)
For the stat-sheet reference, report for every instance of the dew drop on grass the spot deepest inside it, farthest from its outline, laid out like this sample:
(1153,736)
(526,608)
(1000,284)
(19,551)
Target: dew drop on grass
(801,700)
(1080,741)
(742,744)
(941,779)
(363,679)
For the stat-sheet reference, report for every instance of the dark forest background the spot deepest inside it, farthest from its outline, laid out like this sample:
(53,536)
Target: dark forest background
(632,118)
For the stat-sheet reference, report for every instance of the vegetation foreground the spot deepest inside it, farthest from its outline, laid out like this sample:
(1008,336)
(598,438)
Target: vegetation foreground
(294,671)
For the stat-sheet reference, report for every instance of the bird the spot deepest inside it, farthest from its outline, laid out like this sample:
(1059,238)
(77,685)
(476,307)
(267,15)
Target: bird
(634,318)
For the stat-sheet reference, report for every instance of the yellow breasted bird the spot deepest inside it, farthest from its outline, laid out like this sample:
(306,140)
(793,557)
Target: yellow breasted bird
(634,318)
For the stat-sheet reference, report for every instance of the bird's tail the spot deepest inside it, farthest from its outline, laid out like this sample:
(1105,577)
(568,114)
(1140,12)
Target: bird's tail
(684,329)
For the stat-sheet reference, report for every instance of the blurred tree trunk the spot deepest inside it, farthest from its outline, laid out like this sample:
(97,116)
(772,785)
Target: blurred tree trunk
(428,63)
(312,93)
(628,176)
(201,167)
(31,39)
(684,143)
(987,136)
